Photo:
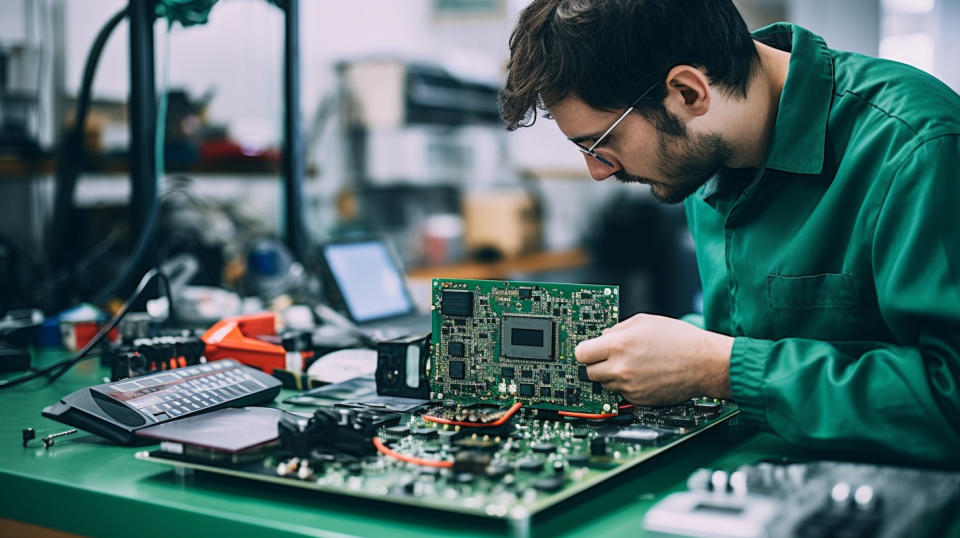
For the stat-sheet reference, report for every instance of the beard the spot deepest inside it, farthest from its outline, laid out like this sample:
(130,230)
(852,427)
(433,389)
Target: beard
(687,161)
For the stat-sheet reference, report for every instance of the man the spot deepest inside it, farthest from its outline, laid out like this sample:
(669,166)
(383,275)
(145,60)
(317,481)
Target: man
(820,188)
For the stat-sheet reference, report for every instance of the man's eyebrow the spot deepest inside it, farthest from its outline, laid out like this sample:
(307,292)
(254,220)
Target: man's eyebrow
(584,138)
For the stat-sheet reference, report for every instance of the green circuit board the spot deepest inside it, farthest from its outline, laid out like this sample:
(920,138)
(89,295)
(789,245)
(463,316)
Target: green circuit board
(500,342)
(532,462)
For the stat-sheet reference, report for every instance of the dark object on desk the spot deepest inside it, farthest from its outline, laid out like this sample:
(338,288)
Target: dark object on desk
(116,410)
(402,367)
(348,431)
(13,359)
(150,355)
(819,498)
(28,434)
(17,327)
(230,435)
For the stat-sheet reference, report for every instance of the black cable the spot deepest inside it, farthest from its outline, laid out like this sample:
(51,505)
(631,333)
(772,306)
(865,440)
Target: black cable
(54,371)
(73,150)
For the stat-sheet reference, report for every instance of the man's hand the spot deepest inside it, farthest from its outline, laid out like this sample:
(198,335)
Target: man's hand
(655,360)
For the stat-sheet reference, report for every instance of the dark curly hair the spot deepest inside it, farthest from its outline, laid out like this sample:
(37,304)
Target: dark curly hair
(608,51)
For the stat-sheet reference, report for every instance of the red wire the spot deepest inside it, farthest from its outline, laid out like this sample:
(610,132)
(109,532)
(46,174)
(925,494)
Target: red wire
(596,416)
(499,422)
(384,449)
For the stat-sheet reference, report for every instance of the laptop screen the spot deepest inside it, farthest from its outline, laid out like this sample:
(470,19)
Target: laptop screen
(370,282)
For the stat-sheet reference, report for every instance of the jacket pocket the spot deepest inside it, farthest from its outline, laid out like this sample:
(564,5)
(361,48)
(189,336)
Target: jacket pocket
(822,307)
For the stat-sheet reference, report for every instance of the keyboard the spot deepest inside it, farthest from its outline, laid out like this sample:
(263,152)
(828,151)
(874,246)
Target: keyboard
(116,410)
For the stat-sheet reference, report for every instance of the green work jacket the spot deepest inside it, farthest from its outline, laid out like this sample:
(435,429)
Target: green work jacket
(836,266)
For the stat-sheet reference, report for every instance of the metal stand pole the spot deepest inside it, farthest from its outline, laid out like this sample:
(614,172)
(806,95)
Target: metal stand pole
(142,107)
(294,225)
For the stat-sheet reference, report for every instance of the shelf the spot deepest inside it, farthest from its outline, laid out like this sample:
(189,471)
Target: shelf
(529,263)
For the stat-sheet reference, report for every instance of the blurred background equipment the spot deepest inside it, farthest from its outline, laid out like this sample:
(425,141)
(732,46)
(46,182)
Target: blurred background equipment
(816,498)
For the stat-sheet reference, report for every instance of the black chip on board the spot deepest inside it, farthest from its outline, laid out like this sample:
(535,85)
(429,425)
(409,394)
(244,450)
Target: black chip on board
(545,377)
(457,370)
(549,484)
(455,349)
(506,371)
(545,392)
(456,303)
(582,372)
(526,374)
(525,293)
(526,389)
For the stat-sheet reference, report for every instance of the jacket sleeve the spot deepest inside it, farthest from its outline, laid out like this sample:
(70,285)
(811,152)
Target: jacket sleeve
(896,399)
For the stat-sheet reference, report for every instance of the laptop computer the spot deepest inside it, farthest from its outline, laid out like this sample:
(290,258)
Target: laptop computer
(367,284)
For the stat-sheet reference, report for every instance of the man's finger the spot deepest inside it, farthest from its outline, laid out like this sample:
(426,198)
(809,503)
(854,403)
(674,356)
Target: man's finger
(591,351)
(601,372)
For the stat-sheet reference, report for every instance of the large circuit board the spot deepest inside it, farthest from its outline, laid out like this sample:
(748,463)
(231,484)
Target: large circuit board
(503,342)
(510,469)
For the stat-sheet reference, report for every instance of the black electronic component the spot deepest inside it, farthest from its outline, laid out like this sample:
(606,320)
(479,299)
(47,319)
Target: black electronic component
(543,448)
(549,484)
(455,349)
(456,303)
(526,389)
(525,293)
(349,431)
(470,461)
(402,367)
(116,410)
(527,337)
(457,370)
(149,355)
(582,373)
(506,372)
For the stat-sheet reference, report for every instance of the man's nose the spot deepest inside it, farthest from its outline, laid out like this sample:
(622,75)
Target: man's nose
(600,171)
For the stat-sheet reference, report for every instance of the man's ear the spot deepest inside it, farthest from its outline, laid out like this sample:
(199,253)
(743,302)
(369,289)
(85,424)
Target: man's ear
(688,92)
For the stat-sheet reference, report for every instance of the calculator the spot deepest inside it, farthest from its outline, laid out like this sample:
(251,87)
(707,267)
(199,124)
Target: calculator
(116,410)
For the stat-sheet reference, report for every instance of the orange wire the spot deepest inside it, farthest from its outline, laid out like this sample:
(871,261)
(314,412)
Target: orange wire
(384,449)
(597,416)
(499,422)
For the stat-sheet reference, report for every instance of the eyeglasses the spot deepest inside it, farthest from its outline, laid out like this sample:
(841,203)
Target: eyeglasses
(590,151)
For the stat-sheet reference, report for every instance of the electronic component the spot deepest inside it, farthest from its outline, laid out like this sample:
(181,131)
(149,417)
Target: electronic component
(116,410)
(150,355)
(402,367)
(500,342)
(350,431)
(820,498)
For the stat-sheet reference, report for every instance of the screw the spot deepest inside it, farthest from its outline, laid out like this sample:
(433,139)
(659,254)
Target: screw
(28,435)
(48,440)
